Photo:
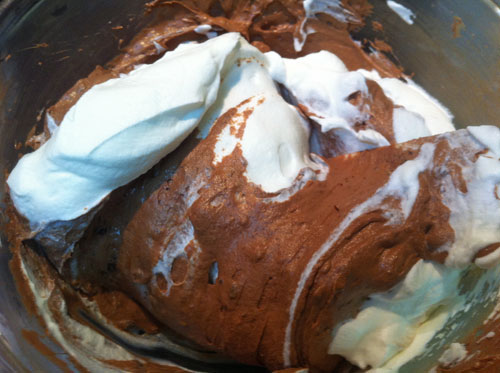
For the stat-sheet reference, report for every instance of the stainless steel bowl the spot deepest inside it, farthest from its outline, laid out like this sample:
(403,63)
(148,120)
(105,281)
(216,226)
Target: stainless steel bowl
(45,45)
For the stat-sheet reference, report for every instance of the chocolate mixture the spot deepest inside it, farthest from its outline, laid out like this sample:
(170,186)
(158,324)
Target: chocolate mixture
(231,288)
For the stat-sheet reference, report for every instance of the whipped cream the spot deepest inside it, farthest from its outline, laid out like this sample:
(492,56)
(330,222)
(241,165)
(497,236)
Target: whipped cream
(121,128)
(118,130)
(474,213)
(489,136)
(389,322)
(416,114)
(247,77)
(394,327)
(274,142)
(274,139)
(453,355)
(403,12)
(321,83)
(428,308)
(416,100)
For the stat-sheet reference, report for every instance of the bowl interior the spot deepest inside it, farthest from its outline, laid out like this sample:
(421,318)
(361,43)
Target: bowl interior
(45,46)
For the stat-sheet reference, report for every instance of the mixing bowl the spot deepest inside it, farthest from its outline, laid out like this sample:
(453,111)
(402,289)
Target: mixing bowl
(46,45)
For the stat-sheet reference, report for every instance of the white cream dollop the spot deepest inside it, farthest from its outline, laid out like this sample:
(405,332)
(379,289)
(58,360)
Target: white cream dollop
(274,142)
(406,14)
(389,322)
(321,83)
(489,136)
(474,214)
(416,114)
(416,100)
(274,139)
(245,78)
(417,317)
(453,355)
(118,130)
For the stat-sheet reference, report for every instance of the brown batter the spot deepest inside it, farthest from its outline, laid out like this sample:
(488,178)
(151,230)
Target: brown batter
(261,248)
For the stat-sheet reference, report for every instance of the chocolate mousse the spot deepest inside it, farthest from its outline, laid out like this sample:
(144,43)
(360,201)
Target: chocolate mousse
(318,214)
